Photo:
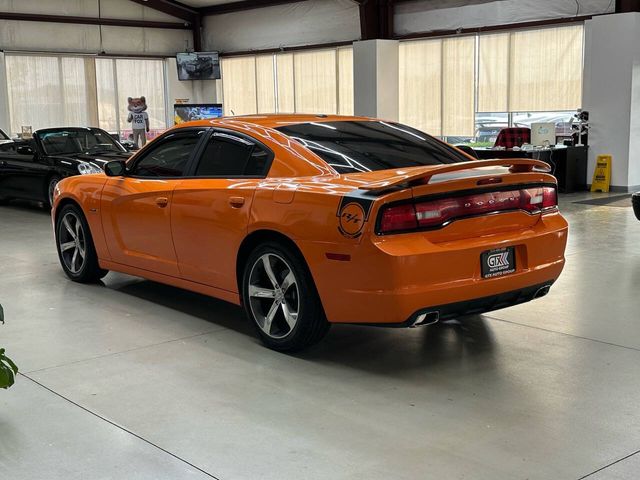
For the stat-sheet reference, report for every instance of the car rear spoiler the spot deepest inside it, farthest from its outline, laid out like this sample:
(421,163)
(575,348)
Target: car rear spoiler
(424,174)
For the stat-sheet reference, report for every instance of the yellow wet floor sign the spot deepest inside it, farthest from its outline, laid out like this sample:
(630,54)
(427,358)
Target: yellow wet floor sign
(602,174)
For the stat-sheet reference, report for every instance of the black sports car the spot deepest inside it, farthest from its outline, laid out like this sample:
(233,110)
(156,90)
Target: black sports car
(31,168)
(635,200)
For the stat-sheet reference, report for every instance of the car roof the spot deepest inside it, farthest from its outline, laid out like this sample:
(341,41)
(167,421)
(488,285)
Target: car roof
(274,120)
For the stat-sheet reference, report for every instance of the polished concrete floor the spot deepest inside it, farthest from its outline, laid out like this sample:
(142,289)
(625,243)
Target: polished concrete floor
(135,380)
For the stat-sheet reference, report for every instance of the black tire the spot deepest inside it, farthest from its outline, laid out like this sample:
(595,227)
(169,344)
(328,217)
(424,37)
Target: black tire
(310,324)
(72,228)
(48,194)
(635,201)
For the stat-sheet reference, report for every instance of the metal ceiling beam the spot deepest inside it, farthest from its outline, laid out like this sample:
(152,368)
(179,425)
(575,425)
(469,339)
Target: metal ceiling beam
(376,19)
(175,9)
(115,22)
(179,10)
(625,6)
(242,6)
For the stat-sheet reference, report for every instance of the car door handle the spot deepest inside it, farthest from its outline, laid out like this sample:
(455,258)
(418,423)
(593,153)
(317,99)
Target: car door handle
(162,201)
(236,202)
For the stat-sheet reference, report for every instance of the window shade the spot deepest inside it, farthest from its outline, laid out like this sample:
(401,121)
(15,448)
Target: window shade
(546,69)
(74,91)
(493,73)
(239,85)
(54,91)
(285,87)
(265,84)
(420,87)
(136,78)
(458,86)
(319,81)
(46,91)
(315,81)
(106,91)
(345,81)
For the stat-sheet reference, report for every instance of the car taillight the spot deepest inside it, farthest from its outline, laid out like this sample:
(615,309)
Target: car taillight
(401,217)
(437,213)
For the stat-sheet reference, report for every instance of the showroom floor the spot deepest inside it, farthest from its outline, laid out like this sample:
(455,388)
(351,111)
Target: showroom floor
(135,380)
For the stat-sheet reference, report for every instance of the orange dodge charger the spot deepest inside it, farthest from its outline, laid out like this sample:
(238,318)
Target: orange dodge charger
(308,220)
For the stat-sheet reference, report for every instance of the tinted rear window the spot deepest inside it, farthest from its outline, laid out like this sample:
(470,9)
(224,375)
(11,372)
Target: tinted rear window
(356,146)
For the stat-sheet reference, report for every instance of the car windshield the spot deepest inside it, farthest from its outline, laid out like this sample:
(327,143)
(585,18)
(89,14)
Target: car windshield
(3,136)
(365,146)
(64,141)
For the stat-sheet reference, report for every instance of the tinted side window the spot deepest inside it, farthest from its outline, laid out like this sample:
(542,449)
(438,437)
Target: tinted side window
(230,156)
(169,158)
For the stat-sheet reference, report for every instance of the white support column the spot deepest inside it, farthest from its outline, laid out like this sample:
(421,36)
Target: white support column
(4,98)
(611,95)
(194,91)
(375,78)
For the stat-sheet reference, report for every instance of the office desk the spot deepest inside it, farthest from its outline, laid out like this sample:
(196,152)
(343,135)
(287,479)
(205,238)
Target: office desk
(568,164)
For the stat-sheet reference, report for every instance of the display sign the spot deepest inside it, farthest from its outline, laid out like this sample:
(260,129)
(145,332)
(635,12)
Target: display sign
(186,112)
(198,66)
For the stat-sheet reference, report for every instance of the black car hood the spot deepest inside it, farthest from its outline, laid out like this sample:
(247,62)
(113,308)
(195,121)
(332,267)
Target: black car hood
(97,158)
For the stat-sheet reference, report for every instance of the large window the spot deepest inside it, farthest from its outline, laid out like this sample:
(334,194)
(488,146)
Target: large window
(53,91)
(470,86)
(46,91)
(318,81)
(120,78)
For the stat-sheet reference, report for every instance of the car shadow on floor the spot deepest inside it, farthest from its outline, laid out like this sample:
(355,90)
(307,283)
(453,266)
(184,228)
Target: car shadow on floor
(452,344)
(217,312)
(373,349)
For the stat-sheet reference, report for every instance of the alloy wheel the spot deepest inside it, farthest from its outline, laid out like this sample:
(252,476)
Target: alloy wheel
(274,298)
(72,242)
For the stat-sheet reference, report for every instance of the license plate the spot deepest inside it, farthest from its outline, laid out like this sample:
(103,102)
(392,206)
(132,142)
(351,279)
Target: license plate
(498,262)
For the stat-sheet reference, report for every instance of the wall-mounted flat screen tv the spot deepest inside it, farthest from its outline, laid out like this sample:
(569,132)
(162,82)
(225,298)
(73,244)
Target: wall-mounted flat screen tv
(198,66)
(185,112)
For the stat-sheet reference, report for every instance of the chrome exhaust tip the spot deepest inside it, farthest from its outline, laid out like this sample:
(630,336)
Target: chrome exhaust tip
(542,291)
(428,318)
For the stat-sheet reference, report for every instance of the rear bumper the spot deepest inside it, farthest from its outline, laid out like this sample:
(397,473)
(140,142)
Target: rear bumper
(635,200)
(475,306)
(393,280)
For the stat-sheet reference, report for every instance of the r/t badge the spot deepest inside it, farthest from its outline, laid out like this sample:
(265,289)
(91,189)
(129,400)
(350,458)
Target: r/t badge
(351,220)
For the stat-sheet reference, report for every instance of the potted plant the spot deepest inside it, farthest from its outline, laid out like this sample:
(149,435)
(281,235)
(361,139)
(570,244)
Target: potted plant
(8,369)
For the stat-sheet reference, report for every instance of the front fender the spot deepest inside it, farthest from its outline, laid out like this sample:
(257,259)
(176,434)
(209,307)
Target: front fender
(85,191)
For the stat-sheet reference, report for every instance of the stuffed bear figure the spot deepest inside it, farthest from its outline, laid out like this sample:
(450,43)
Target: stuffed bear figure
(139,119)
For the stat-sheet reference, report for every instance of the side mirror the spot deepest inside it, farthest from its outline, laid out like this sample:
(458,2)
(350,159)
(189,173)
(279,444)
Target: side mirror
(116,168)
(25,150)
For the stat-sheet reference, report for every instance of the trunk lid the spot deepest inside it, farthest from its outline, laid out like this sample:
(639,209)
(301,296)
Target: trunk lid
(503,184)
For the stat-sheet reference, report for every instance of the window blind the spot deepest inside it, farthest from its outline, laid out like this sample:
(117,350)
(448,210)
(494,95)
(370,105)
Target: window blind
(420,85)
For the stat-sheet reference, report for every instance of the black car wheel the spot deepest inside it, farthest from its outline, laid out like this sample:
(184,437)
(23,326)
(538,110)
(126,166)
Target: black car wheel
(51,187)
(75,246)
(635,200)
(279,296)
